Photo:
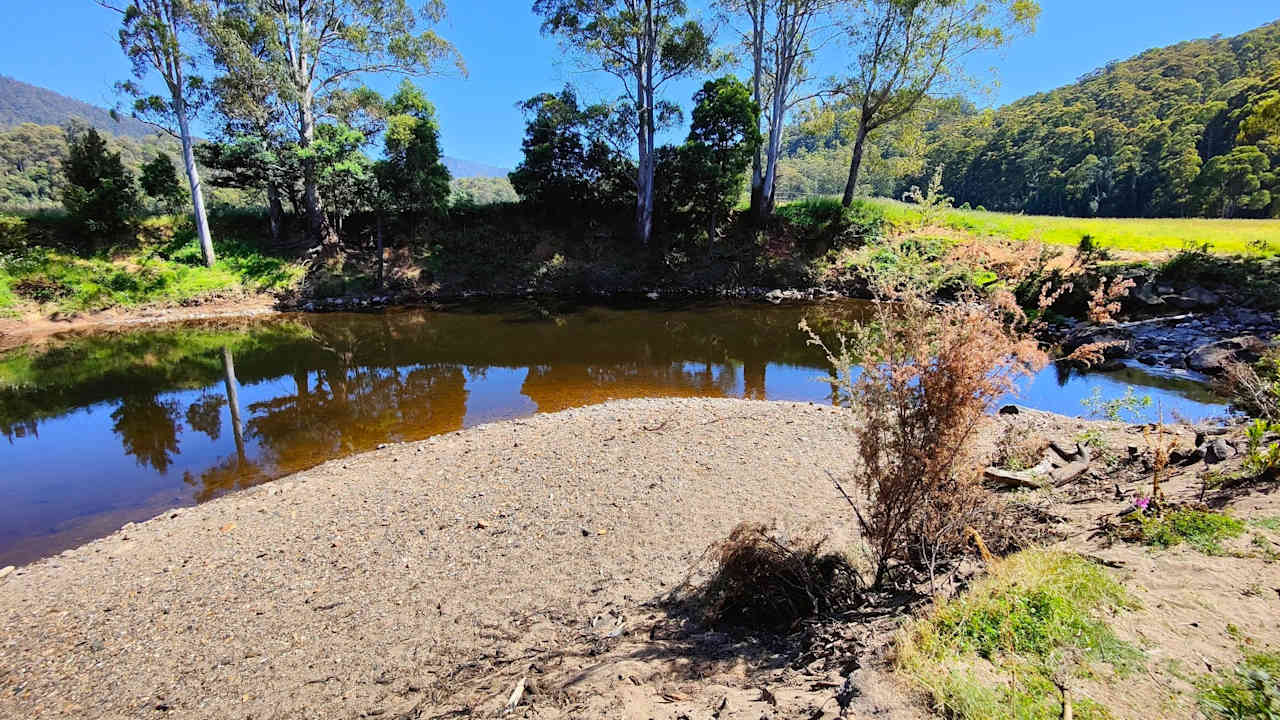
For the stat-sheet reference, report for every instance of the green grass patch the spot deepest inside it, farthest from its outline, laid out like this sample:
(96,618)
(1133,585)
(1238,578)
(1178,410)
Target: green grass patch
(1266,523)
(993,652)
(1203,530)
(1236,237)
(1250,691)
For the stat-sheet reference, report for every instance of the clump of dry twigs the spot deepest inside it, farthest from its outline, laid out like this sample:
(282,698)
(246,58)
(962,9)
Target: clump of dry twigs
(763,580)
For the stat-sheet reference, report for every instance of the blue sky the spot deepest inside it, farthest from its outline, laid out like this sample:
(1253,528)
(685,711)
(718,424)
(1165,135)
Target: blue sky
(69,46)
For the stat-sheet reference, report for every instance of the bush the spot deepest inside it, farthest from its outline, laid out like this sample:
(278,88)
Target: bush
(824,221)
(765,581)
(922,377)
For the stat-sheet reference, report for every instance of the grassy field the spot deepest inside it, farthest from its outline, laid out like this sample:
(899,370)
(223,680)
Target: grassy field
(1231,237)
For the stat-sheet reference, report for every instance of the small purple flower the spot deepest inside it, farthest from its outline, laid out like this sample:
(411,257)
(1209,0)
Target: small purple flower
(1141,502)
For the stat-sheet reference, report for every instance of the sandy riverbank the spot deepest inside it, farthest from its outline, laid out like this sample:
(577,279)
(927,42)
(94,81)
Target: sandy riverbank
(389,582)
(425,580)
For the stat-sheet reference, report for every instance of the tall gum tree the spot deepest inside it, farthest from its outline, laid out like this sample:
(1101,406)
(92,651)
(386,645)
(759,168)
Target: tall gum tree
(156,36)
(781,37)
(316,52)
(908,49)
(644,44)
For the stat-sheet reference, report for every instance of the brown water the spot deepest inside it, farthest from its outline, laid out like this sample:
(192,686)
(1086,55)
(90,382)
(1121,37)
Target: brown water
(104,429)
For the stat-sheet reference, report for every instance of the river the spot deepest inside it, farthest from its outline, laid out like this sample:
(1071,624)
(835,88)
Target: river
(106,428)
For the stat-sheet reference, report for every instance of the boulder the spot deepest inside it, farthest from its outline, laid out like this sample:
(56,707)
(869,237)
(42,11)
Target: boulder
(1213,357)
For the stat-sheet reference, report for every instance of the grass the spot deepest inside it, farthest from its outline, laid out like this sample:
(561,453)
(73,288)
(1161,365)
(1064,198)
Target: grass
(167,270)
(1203,530)
(1267,523)
(996,651)
(1250,691)
(1236,237)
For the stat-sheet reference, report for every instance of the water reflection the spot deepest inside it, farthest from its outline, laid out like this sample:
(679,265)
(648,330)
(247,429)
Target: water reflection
(104,429)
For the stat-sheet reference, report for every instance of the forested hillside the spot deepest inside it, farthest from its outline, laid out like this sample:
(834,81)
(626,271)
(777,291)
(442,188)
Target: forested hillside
(24,103)
(1192,129)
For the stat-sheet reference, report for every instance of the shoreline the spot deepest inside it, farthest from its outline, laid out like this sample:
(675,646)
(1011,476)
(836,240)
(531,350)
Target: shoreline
(429,578)
(447,535)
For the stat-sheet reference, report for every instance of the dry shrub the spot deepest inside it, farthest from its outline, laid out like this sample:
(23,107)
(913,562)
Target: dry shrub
(1105,300)
(1254,389)
(766,581)
(1018,449)
(921,377)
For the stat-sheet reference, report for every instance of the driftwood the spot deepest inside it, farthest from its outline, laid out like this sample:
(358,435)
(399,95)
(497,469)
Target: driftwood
(1058,468)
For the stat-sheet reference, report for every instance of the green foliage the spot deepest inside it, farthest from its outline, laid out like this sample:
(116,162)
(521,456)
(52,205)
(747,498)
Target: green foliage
(825,222)
(1128,408)
(100,194)
(723,138)
(568,162)
(160,181)
(481,191)
(1260,458)
(1203,530)
(1038,614)
(1174,131)
(413,177)
(1250,691)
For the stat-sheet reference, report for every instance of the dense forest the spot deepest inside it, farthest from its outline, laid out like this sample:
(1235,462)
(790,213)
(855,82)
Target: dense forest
(1187,130)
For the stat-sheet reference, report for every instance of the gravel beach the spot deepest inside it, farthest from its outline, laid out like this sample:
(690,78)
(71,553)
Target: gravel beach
(405,582)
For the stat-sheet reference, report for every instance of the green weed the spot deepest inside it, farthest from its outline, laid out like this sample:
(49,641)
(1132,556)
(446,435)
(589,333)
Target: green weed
(1203,530)
(1037,613)
(1250,691)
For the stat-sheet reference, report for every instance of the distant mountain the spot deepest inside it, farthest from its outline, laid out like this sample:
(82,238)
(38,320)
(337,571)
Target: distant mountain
(460,168)
(22,103)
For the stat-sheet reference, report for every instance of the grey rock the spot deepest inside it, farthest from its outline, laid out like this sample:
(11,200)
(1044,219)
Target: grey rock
(1213,357)
(1218,451)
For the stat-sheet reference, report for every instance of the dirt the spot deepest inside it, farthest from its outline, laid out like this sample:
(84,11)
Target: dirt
(32,328)
(431,579)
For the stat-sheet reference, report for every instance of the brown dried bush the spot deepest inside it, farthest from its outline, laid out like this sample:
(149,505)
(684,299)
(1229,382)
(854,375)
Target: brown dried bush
(921,377)
(765,581)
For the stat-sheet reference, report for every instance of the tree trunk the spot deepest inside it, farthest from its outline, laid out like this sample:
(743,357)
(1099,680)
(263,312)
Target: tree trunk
(319,232)
(382,262)
(193,181)
(645,168)
(758,212)
(855,164)
(275,213)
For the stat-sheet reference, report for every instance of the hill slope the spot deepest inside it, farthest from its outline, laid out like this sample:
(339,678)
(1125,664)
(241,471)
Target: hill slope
(1189,129)
(460,168)
(24,103)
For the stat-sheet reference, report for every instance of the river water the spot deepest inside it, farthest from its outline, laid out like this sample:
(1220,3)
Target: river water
(108,428)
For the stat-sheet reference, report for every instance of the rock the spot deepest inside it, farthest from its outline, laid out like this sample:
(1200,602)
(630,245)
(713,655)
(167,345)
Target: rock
(1147,295)
(1202,297)
(1116,339)
(4,572)
(1213,357)
(1218,451)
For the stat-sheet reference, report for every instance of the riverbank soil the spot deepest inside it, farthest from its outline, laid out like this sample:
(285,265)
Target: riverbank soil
(434,579)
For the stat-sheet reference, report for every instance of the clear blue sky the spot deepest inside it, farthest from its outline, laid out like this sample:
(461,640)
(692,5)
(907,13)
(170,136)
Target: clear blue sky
(69,46)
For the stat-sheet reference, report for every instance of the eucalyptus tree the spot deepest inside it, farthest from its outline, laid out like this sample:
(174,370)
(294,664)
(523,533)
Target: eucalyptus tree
(644,44)
(781,39)
(157,36)
(314,53)
(907,49)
